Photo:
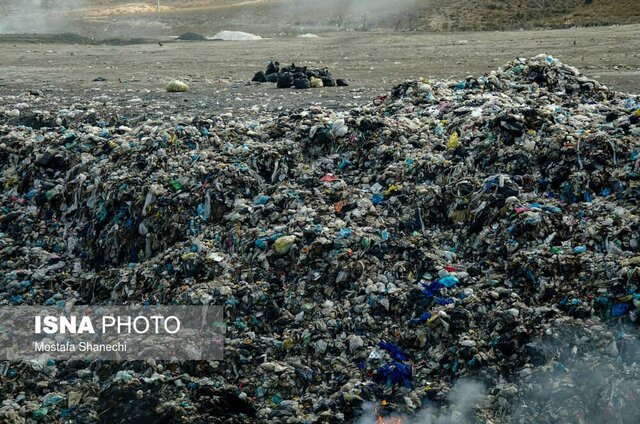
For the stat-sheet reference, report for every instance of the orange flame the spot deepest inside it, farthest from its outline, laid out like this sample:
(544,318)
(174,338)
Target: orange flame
(388,420)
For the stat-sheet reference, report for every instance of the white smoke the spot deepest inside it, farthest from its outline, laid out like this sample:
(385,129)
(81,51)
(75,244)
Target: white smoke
(463,399)
(38,16)
(591,378)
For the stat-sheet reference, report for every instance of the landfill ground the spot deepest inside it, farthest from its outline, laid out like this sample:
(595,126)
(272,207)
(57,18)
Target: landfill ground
(460,248)
(372,62)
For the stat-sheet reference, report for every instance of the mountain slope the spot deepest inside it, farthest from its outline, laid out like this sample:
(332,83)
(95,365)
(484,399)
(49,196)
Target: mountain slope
(274,16)
(439,15)
(512,14)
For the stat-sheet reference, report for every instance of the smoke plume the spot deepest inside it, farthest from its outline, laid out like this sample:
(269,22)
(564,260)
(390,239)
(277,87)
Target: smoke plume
(462,400)
(586,378)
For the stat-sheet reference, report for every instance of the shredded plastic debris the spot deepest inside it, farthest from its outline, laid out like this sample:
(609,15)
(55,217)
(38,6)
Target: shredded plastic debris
(484,228)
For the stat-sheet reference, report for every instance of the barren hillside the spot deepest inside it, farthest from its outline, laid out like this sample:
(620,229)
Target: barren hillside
(131,18)
(438,15)
(513,14)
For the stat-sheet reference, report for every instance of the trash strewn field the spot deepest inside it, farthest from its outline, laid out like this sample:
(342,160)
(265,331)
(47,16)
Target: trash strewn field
(64,68)
(448,243)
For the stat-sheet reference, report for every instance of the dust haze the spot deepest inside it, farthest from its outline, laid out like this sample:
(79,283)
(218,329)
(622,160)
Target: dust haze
(349,14)
(39,16)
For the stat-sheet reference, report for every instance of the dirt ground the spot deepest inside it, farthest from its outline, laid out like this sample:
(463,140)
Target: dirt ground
(218,72)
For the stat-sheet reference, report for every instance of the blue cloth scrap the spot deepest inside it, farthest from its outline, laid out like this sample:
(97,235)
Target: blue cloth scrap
(444,300)
(395,351)
(430,290)
(421,319)
(396,373)
(619,309)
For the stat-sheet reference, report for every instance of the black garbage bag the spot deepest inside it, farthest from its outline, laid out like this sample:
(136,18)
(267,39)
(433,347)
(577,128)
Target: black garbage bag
(302,83)
(272,68)
(285,80)
(328,81)
(271,78)
(259,77)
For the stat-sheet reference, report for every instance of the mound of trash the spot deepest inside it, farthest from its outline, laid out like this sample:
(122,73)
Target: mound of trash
(191,36)
(300,77)
(236,36)
(482,230)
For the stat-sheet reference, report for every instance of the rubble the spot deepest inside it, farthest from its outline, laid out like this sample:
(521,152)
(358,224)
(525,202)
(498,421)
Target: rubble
(484,229)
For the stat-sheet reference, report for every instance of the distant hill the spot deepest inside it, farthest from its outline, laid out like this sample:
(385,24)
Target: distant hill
(405,15)
(515,14)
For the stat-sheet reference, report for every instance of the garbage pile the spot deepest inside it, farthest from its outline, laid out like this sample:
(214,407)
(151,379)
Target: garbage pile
(236,36)
(484,229)
(300,77)
(191,36)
